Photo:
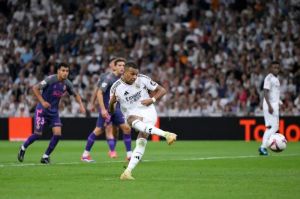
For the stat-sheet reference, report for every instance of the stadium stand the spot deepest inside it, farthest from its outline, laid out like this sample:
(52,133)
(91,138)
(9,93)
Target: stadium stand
(211,55)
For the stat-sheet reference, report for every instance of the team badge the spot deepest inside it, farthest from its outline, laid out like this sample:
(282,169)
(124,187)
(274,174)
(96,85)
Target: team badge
(43,83)
(104,84)
(153,83)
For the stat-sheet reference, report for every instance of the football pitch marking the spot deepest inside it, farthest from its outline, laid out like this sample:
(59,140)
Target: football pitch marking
(164,160)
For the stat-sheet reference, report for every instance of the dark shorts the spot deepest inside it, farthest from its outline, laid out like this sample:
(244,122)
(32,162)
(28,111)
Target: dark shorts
(116,119)
(43,117)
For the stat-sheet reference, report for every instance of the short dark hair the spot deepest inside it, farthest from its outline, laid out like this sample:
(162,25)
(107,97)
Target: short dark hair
(112,59)
(275,62)
(119,59)
(63,65)
(132,65)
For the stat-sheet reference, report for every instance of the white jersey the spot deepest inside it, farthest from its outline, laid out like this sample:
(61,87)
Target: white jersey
(273,85)
(130,96)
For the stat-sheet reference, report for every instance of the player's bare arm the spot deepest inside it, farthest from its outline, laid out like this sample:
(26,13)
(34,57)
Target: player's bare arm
(79,101)
(159,93)
(37,93)
(93,99)
(112,104)
(266,96)
(104,112)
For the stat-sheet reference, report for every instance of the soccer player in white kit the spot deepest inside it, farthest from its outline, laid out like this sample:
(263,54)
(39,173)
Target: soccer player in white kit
(271,105)
(132,92)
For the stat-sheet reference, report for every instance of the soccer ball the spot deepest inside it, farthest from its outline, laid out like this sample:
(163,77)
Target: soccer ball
(277,142)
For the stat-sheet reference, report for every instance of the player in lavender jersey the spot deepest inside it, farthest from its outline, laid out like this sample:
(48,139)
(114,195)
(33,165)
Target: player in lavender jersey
(105,120)
(46,112)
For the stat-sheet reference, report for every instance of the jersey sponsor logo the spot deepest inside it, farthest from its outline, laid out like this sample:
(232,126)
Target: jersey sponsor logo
(134,97)
(57,93)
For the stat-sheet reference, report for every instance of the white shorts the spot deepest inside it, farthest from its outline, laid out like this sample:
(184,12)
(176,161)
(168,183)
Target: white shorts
(148,113)
(271,119)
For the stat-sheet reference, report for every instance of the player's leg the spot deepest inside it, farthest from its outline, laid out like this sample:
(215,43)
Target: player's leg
(118,120)
(39,123)
(52,144)
(21,154)
(115,132)
(126,139)
(55,124)
(138,124)
(272,126)
(111,140)
(86,157)
(147,127)
(262,150)
(136,157)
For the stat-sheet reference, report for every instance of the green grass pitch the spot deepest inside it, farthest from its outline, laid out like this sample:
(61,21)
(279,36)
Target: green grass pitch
(187,169)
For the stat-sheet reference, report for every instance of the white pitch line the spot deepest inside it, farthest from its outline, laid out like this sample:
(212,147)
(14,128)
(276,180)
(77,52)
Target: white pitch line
(220,157)
(165,160)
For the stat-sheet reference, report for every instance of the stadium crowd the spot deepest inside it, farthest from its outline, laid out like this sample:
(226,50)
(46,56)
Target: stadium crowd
(211,55)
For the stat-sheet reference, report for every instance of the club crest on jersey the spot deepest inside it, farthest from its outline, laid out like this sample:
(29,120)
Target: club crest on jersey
(104,84)
(43,83)
(126,93)
(153,83)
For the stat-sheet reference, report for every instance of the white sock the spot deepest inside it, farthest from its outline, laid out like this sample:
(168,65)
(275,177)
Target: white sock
(267,135)
(265,138)
(85,153)
(23,148)
(147,128)
(137,153)
(129,154)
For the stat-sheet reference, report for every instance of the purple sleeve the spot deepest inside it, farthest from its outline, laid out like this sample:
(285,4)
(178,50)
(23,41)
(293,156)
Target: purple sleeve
(70,87)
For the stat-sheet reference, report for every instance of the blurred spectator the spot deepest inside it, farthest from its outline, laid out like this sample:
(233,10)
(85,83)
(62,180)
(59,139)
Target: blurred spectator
(212,56)
(22,110)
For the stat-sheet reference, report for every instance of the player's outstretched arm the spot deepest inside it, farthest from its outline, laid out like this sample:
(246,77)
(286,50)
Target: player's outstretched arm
(94,97)
(79,101)
(100,100)
(37,93)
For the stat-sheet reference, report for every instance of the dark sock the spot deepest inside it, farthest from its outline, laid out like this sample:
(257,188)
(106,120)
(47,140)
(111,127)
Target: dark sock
(31,139)
(111,144)
(53,142)
(90,141)
(127,141)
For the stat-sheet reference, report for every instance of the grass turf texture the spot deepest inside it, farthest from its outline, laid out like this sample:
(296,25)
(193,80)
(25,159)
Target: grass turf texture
(187,169)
